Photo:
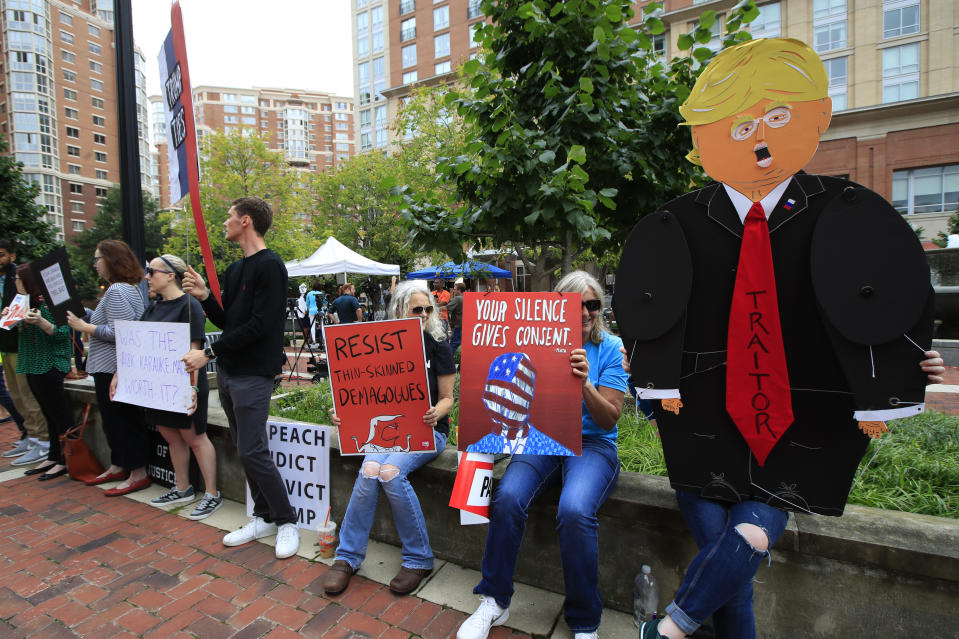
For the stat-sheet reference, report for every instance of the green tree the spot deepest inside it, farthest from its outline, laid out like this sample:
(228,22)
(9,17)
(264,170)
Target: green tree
(575,130)
(233,166)
(108,224)
(22,219)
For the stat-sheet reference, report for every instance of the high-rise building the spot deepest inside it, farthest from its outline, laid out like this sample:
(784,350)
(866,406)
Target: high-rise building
(58,106)
(313,129)
(892,66)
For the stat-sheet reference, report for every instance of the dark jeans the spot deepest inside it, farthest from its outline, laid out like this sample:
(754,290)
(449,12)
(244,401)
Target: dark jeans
(719,581)
(123,425)
(48,389)
(7,402)
(456,338)
(246,402)
(587,480)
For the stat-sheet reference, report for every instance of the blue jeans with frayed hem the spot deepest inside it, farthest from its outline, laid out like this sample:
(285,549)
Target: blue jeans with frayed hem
(719,581)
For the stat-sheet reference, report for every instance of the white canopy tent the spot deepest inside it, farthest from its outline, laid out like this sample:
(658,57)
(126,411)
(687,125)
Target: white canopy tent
(334,257)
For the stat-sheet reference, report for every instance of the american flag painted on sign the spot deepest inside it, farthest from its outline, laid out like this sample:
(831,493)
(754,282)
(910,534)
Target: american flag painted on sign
(509,389)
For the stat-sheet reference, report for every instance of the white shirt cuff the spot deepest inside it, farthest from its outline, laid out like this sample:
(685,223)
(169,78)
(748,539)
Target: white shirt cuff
(657,393)
(887,414)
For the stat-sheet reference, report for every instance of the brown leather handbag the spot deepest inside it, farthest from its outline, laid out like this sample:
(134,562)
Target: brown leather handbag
(82,464)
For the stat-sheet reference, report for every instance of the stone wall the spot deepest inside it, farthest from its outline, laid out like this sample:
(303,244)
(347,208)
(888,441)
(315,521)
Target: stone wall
(870,573)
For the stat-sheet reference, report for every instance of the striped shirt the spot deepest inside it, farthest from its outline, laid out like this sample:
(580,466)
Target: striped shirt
(121,301)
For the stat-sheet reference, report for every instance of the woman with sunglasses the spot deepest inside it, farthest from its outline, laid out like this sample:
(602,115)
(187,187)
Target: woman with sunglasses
(44,357)
(585,481)
(122,423)
(183,432)
(391,471)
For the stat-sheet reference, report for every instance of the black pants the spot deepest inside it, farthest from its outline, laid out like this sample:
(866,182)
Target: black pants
(123,425)
(48,389)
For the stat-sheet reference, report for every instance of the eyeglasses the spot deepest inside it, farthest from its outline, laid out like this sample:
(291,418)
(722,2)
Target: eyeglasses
(150,270)
(592,305)
(418,310)
(775,119)
(97,258)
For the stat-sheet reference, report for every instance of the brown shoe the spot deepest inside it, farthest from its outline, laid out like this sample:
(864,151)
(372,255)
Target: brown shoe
(337,577)
(407,579)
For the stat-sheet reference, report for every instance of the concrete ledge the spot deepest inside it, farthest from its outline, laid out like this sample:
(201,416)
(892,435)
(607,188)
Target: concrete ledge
(949,348)
(869,573)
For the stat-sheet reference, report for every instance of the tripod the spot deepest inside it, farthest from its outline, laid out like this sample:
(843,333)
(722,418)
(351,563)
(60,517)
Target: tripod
(316,365)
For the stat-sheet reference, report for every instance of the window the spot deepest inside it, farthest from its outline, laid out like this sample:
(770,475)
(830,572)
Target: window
(69,76)
(76,207)
(73,132)
(248,120)
(409,55)
(100,191)
(248,110)
(73,151)
(231,119)
(829,25)
(379,82)
(67,56)
(74,169)
(76,188)
(96,67)
(97,102)
(836,71)
(339,106)
(247,99)
(99,120)
(407,6)
(228,97)
(78,224)
(101,174)
(408,29)
(99,138)
(933,189)
(343,136)
(363,79)
(342,146)
(66,36)
(409,76)
(376,19)
(362,34)
(99,156)
(94,48)
(900,73)
(230,108)
(473,9)
(659,45)
(96,85)
(441,46)
(93,30)
(65,18)
(441,17)
(769,22)
(899,17)
(342,126)
(442,67)
(70,113)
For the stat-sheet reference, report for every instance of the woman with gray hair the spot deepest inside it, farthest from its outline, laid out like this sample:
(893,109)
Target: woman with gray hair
(585,481)
(391,470)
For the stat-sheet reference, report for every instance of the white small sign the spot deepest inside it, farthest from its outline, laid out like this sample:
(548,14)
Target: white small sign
(56,285)
(149,370)
(301,452)
(16,312)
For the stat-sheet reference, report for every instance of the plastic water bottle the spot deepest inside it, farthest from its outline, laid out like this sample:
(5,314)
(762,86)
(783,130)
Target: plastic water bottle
(645,597)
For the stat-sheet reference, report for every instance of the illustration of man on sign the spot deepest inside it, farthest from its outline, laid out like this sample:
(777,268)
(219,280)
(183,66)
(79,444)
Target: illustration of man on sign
(507,396)
(384,433)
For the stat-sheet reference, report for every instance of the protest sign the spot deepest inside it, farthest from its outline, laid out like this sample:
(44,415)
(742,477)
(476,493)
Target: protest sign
(517,391)
(52,274)
(380,387)
(473,487)
(17,310)
(301,452)
(149,370)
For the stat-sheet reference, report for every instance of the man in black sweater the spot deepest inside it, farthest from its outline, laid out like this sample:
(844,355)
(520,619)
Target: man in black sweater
(249,354)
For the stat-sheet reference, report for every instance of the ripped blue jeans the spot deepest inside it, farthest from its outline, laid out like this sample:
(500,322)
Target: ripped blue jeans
(719,581)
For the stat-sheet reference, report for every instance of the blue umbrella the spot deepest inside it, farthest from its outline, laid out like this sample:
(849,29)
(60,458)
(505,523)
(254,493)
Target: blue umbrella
(450,271)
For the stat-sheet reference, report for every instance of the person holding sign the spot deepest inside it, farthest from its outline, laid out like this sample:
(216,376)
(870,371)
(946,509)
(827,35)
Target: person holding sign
(44,357)
(183,432)
(586,481)
(391,470)
(116,264)
(249,354)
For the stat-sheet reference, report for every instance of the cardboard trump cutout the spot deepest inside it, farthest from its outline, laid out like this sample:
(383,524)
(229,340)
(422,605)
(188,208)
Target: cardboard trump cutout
(778,316)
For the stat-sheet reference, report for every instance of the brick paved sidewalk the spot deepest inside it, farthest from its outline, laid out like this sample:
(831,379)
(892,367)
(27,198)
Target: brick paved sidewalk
(74,563)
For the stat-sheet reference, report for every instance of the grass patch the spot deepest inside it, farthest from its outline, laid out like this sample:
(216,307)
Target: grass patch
(915,470)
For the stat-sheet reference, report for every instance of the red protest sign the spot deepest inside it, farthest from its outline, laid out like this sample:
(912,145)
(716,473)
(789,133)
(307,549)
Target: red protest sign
(380,387)
(517,391)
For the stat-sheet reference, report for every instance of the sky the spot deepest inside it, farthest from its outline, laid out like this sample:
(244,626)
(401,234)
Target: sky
(293,44)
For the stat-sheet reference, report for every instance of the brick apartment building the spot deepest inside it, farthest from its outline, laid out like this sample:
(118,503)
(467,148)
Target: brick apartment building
(313,129)
(58,106)
(893,70)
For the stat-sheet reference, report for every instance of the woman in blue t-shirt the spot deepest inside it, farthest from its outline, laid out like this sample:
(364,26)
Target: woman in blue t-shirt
(586,482)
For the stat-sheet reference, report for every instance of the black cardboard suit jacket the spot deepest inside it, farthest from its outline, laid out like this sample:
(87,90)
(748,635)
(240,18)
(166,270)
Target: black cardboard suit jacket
(812,465)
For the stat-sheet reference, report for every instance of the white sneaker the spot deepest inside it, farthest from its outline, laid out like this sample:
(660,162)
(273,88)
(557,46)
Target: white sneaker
(287,541)
(488,614)
(586,635)
(36,454)
(255,529)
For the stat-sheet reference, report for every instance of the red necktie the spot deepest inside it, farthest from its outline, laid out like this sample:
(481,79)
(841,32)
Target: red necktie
(757,382)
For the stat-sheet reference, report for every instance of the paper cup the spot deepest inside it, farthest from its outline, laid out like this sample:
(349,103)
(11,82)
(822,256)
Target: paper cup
(326,539)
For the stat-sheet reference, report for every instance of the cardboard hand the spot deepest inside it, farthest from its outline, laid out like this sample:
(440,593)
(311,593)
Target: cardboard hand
(673,405)
(874,430)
